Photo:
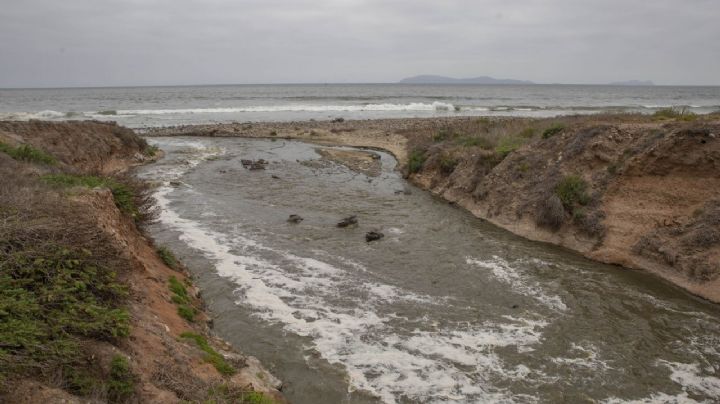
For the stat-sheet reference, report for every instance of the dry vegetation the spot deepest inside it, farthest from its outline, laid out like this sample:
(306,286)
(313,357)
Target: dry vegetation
(597,184)
(67,304)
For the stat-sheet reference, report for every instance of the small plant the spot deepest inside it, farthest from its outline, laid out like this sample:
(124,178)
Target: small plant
(448,164)
(416,161)
(273,133)
(181,298)
(211,355)
(508,145)
(682,114)
(122,383)
(552,131)
(168,257)
(550,213)
(151,150)
(28,153)
(572,191)
(256,397)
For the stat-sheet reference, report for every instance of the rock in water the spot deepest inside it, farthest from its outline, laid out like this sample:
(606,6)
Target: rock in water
(295,219)
(350,220)
(373,235)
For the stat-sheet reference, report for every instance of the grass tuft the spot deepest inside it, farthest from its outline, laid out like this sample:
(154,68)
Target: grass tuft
(27,153)
(211,355)
(151,150)
(509,144)
(181,298)
(416,161)
(572,191)
(552,131)
(168,257)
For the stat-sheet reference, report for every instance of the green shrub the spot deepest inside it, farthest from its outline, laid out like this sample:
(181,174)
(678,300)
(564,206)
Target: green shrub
(572,190)
(683,114)
(168,257)
(552,131)
(416,161)
(27,153)
(123,195)
(51,299)
(121,384)
(211,355)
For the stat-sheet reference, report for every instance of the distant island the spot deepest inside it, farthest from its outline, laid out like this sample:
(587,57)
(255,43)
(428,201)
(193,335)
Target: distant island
(434,79)
(431,79)
(633,83)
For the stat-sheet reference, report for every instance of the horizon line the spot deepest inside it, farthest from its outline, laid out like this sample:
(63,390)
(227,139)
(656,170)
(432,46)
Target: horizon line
(344,83)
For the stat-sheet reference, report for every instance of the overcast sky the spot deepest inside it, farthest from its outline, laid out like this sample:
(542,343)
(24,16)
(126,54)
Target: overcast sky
(145,42)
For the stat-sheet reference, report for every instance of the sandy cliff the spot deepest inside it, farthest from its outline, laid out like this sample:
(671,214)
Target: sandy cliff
(169,358)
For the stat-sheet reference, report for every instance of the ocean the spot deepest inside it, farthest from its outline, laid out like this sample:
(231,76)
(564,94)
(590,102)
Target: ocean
(141,107)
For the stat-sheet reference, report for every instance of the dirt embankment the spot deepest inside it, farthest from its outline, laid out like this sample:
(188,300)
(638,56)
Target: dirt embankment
(637,191)
(129,326)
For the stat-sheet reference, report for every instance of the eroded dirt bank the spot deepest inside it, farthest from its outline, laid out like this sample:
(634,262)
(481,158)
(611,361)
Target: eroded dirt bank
(103,314)
(637,191)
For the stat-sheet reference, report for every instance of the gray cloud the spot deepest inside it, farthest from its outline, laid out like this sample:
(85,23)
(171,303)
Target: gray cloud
(141,42)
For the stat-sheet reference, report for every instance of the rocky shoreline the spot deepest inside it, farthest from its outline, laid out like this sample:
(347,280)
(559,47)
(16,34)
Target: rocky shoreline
(631,190)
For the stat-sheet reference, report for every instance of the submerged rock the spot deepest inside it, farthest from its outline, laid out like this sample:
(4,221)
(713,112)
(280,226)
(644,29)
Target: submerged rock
(373,235)
(348,221)
(295,219)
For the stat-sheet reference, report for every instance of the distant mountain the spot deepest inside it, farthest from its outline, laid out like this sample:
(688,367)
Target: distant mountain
(633,83)
(430,79)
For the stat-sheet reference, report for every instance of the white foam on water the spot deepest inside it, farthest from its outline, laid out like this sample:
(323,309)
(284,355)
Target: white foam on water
(658,398)
(585,357)
(414,106)
(690,378)
(301,293)
(510,275)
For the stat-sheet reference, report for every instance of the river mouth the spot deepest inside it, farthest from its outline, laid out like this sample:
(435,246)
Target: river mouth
(444,308)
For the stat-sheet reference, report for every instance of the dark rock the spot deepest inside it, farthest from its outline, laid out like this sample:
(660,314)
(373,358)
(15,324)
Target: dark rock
(246,163)
(515,306)
(373,235)
(175,183)
(350,220)
(375,156)
(275,177)
(295,219)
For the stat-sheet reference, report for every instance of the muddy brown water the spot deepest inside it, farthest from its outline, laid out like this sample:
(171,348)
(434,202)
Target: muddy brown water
(445,308)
